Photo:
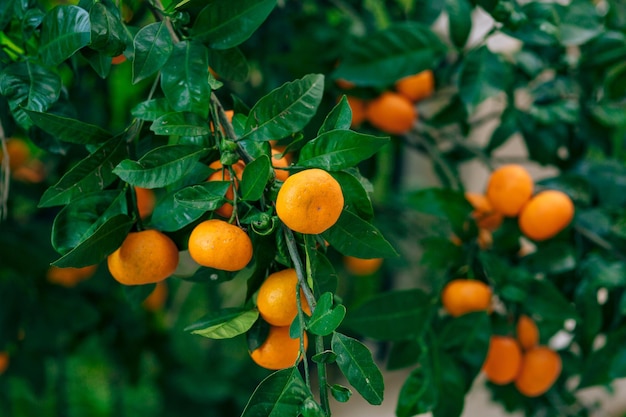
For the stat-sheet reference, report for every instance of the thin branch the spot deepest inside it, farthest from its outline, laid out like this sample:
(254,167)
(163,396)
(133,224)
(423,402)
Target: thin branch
(435,154)
(300,272)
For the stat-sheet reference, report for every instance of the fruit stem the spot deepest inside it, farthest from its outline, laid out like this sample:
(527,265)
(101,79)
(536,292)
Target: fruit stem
(297,263)
(135,208)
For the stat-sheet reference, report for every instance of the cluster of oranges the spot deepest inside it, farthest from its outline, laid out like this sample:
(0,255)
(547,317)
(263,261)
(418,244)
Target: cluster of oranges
(23,165)
(392,111)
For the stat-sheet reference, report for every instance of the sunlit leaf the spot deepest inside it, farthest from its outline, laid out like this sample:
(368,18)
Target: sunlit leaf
(353,236)
(64,30)
(153,46)
(279,395)
(224,324)
(326,317)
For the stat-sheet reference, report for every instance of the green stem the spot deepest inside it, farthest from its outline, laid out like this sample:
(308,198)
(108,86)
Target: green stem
(384,173)
(322,377)
(300,272)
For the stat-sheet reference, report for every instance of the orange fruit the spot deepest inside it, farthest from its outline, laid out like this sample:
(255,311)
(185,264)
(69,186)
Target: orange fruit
(145,257)
(527,332)
(18,152)
(220,245)
(504,359)
(279,351)
(32,172)
(509,188)
(309,201)
(157,298)
(69,277)
(4,362)
(344,84)
(116,60)
(278,163)
(546,214)
(484,214)
(359,266)
(146,200)
(541,367)
(417,87)
(359,110)
(276,300)
(484,239)
(223,174)
(392,113)
(461,296)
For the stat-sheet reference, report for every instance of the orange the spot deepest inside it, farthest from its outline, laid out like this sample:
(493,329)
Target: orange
(145,257)
(69,277)
(359,110)
(279,351)
(4,362)
(484,239)
(392,113)
(223,174)
(359,266)
(116,60)
(509,188)
(546,214)
(32,172)
(417,87)
(310,201)
(484,214)
(344,84)
(278,163)
(527,332)
(461,296)
(156,300)
(541,366)
(503,361)
(220,245)
(146,200)
(276,300)
(18,152)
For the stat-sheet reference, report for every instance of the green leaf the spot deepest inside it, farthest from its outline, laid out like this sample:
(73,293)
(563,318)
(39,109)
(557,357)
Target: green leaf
(153,46)
(551,258)
(545,300)
(452,388)
(107,31)
(356,363)
(353,236)
(420,392)
(184,78)
(68,130)
(224,24)
(64,30)
(229,63)
(508,127)
(311,408)
(443,202)
(467,339)
(327,356)
(181,124)
(355,196)
(325,318)
(483,75)
(459,21)
(155,108)
(285,110)
(279,395)
(339,118)
(207,196)
(394,315)
(104,240)
(29,86)
(98,61)
(380,59)
(339,149)
(225,323)
(161,166)
(580,22)
(170,216)
(600,272)
(93,173)
(340,393)
(255,177)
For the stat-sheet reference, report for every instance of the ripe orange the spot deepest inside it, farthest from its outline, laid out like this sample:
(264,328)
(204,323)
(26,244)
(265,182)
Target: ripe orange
(156,300)
(461,296)
(146,200)
(417,87)
(344,84)
(69,277)
(509,188)
(118,59)
(145,257)
(503,361)
(276,300)
(486,217)
(310,201)
(484,239)
(362,267)
(546,214)
(279,351)
(392,113)
(359,110)
(4,362)
(220,245)
(541,367)
(278,163)
(18,152)
(527,332)
(223,174)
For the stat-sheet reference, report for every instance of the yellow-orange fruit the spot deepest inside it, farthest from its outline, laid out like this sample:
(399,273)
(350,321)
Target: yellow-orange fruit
(146,200)
(360,266)
(223,174)
(527,332)
(546,214)
(461,296)
(509,189)
(359,110)
(417,87)
(504,360)
(279,351)
(4,362)
(156,300)
(276,300)
(392,113)
(278,163)
(486,217)
(220,245)
(541,367)
(69,277)
(18,152)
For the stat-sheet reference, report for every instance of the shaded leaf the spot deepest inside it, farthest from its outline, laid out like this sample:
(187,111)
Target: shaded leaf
(340,117)
(229,63)
(152,46)
(181,124)
(279,395)
(107,31)
(326,317)
(64,30)
(206,196)
(353,236)
(460,21)
(68,130)
(255,177)
(153,109)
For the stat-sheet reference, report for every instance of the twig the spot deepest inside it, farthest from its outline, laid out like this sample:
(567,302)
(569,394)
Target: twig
(435,154)
(297,262)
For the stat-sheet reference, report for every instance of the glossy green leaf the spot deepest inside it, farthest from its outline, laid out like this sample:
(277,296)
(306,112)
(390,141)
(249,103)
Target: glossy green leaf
(327,356)
(340,117)
(225,323)
(356,363)
(356,198)
(339,149)
(311,408)
(224,24)
(99,62)
(207,196)
(545,300)
(459,21)
(467,338)
(326,317)
(181,124)
(169,215)
(452,388)
(64,30)
(353,236)
(420,392)
(28,86)
(340,393)
(161,166)
(184,78)
(104,240)
(394,315)
(153,109)
(153,46)
(508,127)
(93,173)
(384,57)
(230,64)
(255,177)
(68,130)
(107,30)
(483,75)
(603,273)
(285,110)
(551,258)
(279,395)
(580,22)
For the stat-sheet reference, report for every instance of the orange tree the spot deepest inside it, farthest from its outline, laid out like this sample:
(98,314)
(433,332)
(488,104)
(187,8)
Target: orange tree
(236,154)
